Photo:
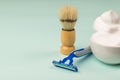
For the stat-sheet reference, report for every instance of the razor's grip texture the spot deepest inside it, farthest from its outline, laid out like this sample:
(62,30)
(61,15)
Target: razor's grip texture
(85,51)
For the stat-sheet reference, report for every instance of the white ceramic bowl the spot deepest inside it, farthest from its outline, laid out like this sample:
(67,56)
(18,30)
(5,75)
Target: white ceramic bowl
(107,53)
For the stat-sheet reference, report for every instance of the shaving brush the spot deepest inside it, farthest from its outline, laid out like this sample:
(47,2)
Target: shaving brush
(68,18)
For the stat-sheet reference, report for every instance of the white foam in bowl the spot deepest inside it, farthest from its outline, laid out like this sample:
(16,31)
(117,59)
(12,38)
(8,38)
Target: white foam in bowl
(105,42)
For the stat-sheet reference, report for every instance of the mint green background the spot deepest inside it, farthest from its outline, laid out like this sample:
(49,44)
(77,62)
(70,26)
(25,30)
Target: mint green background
(30,40)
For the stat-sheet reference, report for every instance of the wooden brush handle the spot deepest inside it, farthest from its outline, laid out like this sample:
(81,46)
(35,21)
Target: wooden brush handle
(67,39)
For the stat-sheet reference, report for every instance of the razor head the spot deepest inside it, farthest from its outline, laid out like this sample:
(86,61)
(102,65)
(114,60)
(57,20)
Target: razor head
(65,66)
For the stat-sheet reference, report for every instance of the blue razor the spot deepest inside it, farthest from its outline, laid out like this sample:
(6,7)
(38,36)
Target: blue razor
(73,54)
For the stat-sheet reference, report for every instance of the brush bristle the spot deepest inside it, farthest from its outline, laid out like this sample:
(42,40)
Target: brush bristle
(68,17)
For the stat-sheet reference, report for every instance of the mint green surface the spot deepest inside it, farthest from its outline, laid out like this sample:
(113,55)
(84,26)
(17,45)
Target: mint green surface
(30,40)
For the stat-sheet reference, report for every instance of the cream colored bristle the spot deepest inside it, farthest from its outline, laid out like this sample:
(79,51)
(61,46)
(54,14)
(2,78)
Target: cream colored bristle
(68,17)
(68,12)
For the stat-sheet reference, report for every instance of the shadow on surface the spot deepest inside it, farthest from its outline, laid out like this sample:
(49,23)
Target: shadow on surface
(107,64)
(82,59)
